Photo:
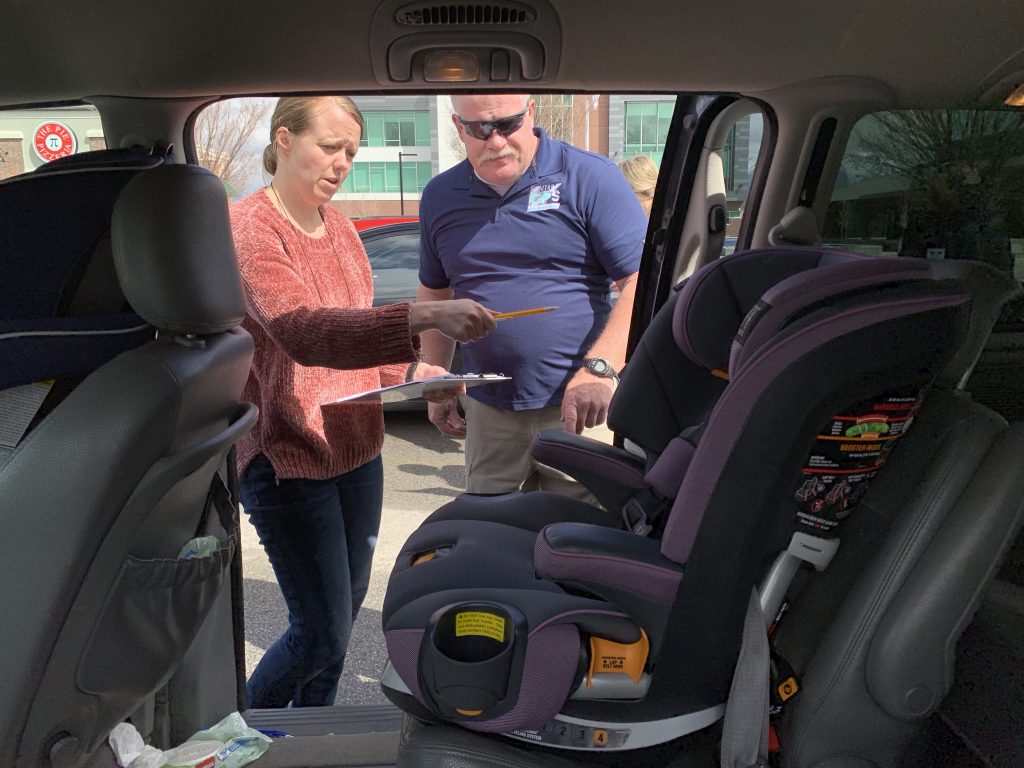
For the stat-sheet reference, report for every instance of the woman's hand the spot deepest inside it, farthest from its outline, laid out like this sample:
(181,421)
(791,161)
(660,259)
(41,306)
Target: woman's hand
(459,319)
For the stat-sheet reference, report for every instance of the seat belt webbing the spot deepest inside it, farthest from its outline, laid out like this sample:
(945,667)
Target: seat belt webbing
(745,728)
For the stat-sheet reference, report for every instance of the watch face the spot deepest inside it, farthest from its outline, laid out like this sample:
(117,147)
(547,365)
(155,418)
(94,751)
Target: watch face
(598,366)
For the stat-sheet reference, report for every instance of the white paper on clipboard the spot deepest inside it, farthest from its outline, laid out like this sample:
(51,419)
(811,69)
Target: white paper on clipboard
(413,389)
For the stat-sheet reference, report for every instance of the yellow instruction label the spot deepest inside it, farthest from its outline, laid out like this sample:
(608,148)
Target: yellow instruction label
(480,624)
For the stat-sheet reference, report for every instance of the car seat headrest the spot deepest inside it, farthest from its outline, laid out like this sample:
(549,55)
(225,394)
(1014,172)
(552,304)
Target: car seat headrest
(798,227)
(782,301)
(715,300)
(174,252)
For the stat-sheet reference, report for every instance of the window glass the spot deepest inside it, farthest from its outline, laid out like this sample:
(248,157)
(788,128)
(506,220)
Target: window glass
(742,149)
(935,184)
(395,265)
(377,176)
(394,251)
(383,183)
(31,137)
(397,129)
(407,133)
(646,126)
(422,123)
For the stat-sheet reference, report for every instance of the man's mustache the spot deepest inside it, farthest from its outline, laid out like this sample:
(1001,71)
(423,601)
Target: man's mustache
(490,154)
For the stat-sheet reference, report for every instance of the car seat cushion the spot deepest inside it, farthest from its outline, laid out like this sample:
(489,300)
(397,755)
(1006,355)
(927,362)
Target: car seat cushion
(544,508)
(585,554)
(500,650)
(573,453)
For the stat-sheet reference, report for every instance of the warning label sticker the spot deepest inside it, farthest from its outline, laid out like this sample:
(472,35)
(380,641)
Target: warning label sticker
(480,624)
(847,453)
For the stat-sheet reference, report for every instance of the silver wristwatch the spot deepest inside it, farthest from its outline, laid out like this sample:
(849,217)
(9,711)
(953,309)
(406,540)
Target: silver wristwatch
(601,367)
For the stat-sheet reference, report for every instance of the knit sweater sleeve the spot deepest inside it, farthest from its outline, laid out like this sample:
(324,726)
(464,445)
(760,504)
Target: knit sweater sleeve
(393,374)
(281,302)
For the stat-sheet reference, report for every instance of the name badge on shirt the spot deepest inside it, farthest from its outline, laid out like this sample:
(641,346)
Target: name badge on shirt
(544,197)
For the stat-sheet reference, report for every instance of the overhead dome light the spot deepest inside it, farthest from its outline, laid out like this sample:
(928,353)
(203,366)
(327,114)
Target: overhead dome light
(1016,97)
(451,67)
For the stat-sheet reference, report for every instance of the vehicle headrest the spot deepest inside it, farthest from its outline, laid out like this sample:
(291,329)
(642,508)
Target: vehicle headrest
(715,300)
(173,251)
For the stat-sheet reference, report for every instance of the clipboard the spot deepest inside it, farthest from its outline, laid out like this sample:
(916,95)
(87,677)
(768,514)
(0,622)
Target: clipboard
(412,389)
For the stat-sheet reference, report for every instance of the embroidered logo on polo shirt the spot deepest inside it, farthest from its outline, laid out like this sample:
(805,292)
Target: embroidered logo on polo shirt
(544,197)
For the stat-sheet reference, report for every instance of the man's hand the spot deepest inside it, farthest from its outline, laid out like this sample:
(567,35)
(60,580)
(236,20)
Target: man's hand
(586,401)
(425,371)
(445,416)
(459,319)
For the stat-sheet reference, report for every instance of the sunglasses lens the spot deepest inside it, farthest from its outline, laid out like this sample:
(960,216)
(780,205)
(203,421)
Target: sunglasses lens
(482,129)
(509,125)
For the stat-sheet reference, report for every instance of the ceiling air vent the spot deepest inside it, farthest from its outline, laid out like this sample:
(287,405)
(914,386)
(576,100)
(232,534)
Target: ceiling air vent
(511,44)
(435,14)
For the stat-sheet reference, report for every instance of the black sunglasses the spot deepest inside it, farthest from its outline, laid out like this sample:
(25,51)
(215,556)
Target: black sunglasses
(505,126)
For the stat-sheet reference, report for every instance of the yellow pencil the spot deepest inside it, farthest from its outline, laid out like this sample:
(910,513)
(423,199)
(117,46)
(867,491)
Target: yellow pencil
(523,313)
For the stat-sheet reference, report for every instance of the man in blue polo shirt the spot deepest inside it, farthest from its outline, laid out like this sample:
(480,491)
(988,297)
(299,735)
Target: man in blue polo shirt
(527,221)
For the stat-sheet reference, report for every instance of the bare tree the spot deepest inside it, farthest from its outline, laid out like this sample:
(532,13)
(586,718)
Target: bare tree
(964,182)
(455,144)
(565,116)
(222,132)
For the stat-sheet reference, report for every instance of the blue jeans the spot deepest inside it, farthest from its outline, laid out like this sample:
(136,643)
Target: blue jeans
(319,536)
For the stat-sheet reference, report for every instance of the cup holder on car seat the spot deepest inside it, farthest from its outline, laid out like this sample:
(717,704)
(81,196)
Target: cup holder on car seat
(471,660)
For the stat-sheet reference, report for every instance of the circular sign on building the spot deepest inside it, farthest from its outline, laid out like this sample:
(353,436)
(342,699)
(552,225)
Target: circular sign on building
(52,140)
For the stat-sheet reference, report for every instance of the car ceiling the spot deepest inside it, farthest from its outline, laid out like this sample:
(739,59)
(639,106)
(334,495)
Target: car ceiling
(924,51)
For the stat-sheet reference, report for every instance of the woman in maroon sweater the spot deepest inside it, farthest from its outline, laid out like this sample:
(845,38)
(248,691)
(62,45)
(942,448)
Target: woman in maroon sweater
(312,481)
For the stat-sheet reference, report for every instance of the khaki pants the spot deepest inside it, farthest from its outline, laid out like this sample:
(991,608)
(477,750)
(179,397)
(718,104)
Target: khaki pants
(498,456)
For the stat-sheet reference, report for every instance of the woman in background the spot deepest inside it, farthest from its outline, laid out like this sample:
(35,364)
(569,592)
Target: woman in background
(642,175)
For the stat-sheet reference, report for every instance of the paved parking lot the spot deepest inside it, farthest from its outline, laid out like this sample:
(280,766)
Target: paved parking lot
(422,470)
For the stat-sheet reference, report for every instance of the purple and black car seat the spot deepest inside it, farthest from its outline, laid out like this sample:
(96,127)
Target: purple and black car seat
(766,396)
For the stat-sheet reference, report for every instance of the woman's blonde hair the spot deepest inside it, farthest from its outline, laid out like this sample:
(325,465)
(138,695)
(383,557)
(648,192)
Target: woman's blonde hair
(642,175)
(296,113)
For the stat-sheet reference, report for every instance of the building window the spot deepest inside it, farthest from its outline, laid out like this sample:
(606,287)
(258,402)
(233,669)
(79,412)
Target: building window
(647,125)
(383,177)
(396,129)
(729,160)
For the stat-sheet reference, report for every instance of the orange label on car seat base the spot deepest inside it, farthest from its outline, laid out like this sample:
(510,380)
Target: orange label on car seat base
(609,656)
(480,624)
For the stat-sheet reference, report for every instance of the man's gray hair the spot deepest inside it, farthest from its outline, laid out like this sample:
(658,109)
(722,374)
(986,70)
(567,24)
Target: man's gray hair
(454,96)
